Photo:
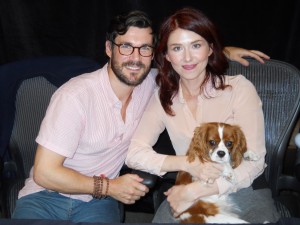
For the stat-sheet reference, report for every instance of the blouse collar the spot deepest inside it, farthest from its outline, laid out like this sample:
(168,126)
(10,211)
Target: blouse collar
(208,91)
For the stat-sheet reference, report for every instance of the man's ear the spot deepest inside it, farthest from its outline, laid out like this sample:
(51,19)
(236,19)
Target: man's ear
(108,48)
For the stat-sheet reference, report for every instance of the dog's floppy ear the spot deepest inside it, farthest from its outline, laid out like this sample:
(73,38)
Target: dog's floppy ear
(239,148)
(198,145)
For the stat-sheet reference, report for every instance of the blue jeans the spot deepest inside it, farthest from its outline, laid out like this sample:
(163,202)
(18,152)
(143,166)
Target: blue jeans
(52,205)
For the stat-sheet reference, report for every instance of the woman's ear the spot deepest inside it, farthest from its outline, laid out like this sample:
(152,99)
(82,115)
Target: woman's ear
(167,57)
(211,49)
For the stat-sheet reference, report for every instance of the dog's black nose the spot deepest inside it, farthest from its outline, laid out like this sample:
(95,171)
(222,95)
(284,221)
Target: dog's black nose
(221,154)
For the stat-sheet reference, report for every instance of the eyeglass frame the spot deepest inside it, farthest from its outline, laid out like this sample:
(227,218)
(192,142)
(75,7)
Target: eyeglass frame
(133,48)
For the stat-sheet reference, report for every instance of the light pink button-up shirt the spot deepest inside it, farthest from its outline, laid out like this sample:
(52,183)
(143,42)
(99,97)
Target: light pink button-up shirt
(83,123)
(239,105)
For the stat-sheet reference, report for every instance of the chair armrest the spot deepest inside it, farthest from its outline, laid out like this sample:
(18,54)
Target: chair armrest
(149,179)
(297,164)
(297,161)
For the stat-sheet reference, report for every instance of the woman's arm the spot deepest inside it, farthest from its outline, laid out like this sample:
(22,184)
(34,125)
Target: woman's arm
(246,108)
(248,114)
(181,197)
(141,155)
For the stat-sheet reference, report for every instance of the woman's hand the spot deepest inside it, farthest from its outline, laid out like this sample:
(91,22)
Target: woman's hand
(206,172)
(181,197)
(237,54)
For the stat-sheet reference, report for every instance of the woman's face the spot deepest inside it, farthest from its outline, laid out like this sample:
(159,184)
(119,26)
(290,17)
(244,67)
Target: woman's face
(188,53)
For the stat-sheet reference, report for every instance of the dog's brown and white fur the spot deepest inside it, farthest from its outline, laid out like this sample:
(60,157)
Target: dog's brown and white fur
(222,143)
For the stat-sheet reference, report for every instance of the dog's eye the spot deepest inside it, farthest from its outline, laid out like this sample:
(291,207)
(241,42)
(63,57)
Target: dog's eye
(212,142)
(228,144)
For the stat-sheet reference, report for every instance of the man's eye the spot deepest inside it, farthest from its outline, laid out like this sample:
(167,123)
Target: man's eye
(146,48)
(124,46)
(228,144)
(212,142)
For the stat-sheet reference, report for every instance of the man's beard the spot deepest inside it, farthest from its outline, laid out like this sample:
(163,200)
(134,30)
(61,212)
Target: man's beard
(122,77)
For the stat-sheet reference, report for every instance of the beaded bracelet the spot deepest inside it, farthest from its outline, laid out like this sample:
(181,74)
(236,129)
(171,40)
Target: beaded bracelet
(107,186)
(98,185)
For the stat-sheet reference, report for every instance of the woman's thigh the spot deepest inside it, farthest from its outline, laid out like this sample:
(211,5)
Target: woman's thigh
(254,206)
(164,214)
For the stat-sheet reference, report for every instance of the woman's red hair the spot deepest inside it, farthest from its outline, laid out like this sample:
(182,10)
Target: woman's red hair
(167,78)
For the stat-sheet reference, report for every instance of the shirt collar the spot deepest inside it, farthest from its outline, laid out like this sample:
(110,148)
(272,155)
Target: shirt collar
(110,94)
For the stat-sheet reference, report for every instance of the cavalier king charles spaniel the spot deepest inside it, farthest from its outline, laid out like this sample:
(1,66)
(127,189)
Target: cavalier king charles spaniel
(221,143)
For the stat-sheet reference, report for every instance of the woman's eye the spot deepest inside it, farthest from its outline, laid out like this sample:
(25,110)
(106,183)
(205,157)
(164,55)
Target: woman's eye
(228,144)
(176,49)
(196,45)
(212,142)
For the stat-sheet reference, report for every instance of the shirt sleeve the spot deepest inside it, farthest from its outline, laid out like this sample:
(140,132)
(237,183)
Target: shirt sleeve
(140,154)
(248,114)
(61,127)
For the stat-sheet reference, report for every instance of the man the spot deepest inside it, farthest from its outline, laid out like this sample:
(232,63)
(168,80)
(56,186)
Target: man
(85,134)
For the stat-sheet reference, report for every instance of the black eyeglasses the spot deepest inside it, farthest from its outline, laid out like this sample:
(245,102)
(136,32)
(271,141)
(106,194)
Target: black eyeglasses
(127,49)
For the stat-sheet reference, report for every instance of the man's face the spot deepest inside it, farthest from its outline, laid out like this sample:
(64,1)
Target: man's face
(130,69)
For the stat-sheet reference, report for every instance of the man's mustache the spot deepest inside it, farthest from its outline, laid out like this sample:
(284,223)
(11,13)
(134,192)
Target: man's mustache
(132,63)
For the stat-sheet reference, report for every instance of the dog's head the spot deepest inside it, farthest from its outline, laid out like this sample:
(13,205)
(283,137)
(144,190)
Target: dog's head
(218,142)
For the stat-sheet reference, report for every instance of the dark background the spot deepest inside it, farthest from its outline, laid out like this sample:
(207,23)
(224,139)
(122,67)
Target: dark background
(33,28)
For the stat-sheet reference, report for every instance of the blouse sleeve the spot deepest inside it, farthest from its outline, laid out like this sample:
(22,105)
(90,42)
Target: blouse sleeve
(248,114)
(140,154)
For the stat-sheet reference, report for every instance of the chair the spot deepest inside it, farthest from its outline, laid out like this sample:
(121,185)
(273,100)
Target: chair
(297,161)
(278,85)
(26,87)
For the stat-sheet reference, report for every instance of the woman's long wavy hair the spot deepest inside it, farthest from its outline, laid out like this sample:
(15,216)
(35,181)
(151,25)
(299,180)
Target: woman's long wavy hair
(167,78)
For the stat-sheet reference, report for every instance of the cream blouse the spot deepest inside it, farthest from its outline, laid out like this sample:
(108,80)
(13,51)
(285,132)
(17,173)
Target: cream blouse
(238,104)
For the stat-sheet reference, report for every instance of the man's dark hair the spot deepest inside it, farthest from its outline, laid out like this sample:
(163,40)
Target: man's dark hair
(121,23)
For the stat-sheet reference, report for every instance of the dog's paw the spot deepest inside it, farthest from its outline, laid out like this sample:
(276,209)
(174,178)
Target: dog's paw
(230,178)
(250,156)
(228,174)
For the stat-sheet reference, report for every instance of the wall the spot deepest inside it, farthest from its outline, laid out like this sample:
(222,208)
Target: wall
(35,28)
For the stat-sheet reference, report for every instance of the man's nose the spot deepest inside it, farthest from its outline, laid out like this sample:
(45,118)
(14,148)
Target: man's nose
(135,54)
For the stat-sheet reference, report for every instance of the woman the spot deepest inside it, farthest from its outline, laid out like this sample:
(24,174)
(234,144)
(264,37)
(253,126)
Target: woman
(193,90)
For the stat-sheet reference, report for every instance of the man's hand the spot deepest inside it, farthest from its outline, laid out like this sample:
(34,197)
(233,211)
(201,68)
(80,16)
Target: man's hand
(127,188)
(237,54)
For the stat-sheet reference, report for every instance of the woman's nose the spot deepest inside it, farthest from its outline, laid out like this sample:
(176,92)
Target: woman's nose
(187,55)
